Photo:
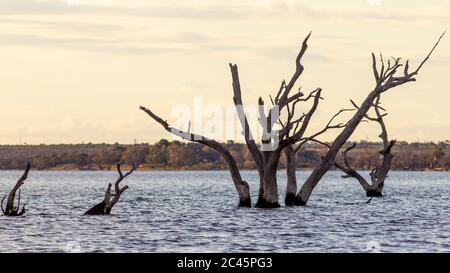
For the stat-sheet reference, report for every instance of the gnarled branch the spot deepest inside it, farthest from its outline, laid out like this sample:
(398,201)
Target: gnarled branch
(105,207)
(241,186)
(351,172)
(385,79)
(117,189)
(10,209)
(379,173)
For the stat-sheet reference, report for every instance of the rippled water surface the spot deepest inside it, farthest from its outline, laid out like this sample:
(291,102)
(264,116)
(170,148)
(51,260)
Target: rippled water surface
(196,211)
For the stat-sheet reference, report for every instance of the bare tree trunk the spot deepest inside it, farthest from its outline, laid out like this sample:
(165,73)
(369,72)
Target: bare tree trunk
(385,79)
(267,161)
(269,198)
(291,184)
(105,207)
(379,175)
(98,209)
(10,209)
(328,161)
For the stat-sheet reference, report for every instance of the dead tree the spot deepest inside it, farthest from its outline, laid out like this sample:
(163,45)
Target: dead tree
(291,151)
(10,209)
(386,78)
(105,207)
(379,173)
(266,156)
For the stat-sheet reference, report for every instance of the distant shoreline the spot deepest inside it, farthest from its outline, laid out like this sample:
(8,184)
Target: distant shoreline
(167,155)
(187,169)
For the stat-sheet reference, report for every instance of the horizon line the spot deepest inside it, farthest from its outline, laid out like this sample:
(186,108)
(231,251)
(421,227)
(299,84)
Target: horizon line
(446,141)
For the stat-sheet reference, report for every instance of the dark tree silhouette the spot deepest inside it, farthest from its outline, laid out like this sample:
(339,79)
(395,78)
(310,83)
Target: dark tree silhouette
(291,136)
(267,155)
(10,209)
(386,78)
(379,173)
(111,199)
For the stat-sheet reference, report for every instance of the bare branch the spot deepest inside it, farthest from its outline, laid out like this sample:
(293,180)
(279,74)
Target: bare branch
(237,99)
(349,170)
(108,194)
(386,79)
(379,119)
(105,207)
(18,200)
(300,145)
(327,127)
(305,119)
(429,54)
(375,70)
(175,131)
(119,170)
(264,121)
(282,87)
(241,186)
(298,70)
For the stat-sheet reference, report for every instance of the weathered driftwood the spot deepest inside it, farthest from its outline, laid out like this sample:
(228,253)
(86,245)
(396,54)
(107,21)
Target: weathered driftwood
(10,209)
(386,78)
(111,199)
(379,173)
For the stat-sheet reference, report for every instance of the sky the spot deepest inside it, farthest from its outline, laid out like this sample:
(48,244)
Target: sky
(76,71)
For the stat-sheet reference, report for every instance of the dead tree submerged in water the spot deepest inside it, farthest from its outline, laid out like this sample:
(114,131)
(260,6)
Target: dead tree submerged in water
(386,78)
(266,160)
(111,199)
(267,155)
(379,174)
(10,209)
(291,162)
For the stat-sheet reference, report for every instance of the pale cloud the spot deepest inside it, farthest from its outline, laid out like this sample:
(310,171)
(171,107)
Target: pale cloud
(84,44)
(68,130)
(286,53)
(83,66)
(187,9)
(230,10)
(374,2)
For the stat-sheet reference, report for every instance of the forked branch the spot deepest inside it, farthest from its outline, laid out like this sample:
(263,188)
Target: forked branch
(105,207)
(379,173)
(350,171)
(385,78)
(385,75)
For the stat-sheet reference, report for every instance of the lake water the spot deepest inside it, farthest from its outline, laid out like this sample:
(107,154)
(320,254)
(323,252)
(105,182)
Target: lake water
(195,211)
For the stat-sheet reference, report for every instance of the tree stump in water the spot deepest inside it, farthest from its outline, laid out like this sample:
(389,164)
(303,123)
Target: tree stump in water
(374,193)
(104,207)
(10,209)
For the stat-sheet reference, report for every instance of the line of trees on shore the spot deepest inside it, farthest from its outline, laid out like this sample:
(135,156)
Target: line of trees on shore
(177,155)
